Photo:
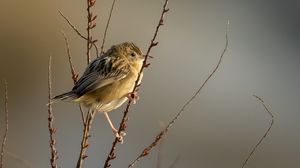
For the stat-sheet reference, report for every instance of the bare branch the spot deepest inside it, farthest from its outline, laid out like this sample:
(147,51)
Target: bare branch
(173,165)
(72,26)
(265,134)
(159,137)
(85,136)
(159,155)
(18,159)
(78,32)
(122,126)
(73,72)
(52,130)
(106,28)
(91,113)
(90,25)
(6,124)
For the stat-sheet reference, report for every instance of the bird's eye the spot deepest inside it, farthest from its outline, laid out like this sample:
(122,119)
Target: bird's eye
(132,54)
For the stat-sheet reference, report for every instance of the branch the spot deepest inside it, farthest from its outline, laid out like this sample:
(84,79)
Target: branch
(265,134)
(74,75)
(159,155)
(106,28)
(123,124)
(72,26)
(52,130)
(90,116)
(78,32)
(73,72)
(91,113)
(6,124)
(86,134)
(173,165)
(90,25)
(159,137)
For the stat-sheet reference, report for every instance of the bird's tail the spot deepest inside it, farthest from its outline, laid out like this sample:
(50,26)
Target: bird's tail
(69,96)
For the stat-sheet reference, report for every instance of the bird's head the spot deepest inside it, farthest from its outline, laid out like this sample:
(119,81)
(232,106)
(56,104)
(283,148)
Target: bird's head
(129,51)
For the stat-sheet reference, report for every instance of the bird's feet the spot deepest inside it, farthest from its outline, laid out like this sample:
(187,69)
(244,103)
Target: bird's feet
(133,96)
(119,136)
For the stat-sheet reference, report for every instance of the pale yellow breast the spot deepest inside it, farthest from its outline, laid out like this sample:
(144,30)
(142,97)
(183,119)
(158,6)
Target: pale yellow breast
(116,90)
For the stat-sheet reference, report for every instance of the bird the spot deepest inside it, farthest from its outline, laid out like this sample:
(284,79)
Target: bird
(108,81)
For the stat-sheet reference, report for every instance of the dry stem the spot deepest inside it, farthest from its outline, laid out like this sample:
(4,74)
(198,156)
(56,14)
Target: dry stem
(265,134)
(159,155)
(52,130)
(73,72)
(86,134)
(159,137)
(90,115)
(74,75)
(78,32)
(106,28)
(90,25)
(122,126)
(6,124)
(87,121)
(173,165)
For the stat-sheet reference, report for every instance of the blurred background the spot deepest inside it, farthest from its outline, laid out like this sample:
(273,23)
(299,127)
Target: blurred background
(217,130)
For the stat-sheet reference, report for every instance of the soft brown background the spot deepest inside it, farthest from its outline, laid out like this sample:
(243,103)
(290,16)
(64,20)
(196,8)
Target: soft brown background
(217,130)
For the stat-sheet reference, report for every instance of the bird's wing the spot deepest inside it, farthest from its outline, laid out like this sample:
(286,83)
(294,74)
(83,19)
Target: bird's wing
(101,72)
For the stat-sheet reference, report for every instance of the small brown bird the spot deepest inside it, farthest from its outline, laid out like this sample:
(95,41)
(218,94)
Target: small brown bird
(108,81)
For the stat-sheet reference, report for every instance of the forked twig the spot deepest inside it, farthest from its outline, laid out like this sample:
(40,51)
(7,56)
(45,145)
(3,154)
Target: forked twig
(91,113)
(106,28)
(265,134)
(87,121)
(72,26)
(159,137)
(51,128)
(6,123)
(78,32)
(122,126)
(73,72)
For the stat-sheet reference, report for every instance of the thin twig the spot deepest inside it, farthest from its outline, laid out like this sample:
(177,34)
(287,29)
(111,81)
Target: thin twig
(6,124)
(160,150)
(106,28)
(85,136)
(90,25)
(173,165)
(265,134)
(72,26)
(159,155)
(91,113)
(51,128)
(73,72)
(88,30)
(18,159)
(78,32)
(159,137)
(74,75)
(123,124)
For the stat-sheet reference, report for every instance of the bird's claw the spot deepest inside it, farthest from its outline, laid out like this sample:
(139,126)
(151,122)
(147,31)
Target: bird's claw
(134,97)
(120,135)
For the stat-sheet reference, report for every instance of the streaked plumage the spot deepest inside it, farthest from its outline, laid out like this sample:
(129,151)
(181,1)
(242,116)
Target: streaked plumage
(108,81)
